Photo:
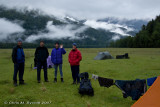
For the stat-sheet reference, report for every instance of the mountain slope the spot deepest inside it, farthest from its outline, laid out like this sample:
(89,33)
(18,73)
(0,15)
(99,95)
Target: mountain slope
(37,25)
(147,37)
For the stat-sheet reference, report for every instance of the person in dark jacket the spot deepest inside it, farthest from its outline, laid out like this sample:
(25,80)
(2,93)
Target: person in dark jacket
(41,55)
(74,60)
(18,59)
(57,60)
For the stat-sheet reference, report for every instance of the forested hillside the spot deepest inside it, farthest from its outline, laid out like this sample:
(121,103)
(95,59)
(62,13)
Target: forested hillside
(148,37)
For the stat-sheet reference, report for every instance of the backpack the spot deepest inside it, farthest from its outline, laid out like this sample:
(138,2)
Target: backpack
(125,56)
(85,87)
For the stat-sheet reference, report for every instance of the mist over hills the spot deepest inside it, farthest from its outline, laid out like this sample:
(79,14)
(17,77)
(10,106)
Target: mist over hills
(35,25)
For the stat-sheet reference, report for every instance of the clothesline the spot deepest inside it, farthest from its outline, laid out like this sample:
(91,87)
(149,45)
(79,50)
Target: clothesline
(96,77)
(132,88)
(150,81)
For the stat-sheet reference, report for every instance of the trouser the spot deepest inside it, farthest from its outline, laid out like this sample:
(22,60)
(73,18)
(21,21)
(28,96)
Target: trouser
(18,67)
(75,73)
(39,67)
(60,69)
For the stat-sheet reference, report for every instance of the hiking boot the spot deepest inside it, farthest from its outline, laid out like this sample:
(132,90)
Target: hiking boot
(73,83)
(15,83)
(62,80)
(55,80)
(21,83)
(46,81)
(39,81)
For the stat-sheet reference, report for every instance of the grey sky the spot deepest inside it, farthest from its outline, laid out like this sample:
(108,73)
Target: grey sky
(92,9)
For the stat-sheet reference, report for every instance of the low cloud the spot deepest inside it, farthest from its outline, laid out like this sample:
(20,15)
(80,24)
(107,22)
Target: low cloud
(116,37)
(115,28)
(58,32)
(7,28)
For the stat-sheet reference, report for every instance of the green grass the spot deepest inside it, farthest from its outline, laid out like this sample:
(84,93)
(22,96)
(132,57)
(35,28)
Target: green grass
(143,63)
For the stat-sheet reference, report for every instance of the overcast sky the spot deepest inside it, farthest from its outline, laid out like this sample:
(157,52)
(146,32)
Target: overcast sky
(92,9)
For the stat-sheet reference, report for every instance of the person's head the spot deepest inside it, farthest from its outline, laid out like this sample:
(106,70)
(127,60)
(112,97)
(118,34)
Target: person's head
(19,42)
(74,46)
(57,45)
(41,43)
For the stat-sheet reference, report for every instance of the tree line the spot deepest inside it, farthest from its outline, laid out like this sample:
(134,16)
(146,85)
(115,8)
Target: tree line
(48,45)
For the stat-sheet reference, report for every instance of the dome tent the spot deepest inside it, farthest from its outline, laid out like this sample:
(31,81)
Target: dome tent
(103,55)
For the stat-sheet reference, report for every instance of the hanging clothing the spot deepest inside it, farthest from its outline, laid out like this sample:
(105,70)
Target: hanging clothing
(94,76)
(132,88)
(105,82)
(150,81)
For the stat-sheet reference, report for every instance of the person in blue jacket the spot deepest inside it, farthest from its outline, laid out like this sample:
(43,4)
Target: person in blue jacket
(18,59)
(57,60)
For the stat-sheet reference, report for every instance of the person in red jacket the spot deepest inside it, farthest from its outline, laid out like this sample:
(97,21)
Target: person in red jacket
(74,60)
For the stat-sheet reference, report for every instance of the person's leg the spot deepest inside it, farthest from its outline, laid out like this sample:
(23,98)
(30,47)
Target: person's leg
(61,73)
(45,71)
(73,74)
(60,69)
(77,73)
(16,66)
(55,72)
(21,72)
(39,66)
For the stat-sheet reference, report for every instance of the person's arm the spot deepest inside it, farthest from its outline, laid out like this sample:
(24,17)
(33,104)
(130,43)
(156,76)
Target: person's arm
(23,54)
(79,57)
(52,54)
(63,51)
(36,53)
(69,57)
(47,52)
(14,55)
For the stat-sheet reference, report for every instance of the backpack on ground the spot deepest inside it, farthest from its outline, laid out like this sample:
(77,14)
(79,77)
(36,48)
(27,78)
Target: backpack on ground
(85,87)
(125,56)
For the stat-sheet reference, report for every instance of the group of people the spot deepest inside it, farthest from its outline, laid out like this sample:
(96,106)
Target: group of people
(41,55)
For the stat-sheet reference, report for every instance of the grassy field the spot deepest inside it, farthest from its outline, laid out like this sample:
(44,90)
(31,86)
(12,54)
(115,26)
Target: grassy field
(143,63)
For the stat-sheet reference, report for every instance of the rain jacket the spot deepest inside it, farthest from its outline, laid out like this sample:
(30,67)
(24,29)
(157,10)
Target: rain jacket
(41,54)
(56,55)
(18,55)
(74,57)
